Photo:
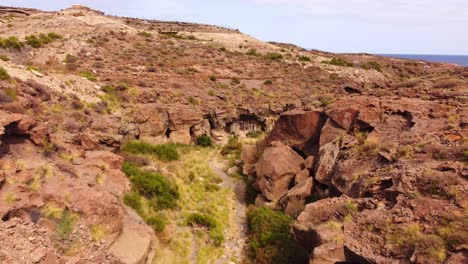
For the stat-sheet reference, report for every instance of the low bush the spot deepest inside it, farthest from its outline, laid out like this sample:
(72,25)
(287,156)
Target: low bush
(339,62)
(252,52)
(274,56)
(133,200)
(304,58)
(213,78)
(204,141)
(164,152)
(88,75)
(145,34)
(254,134)
(232,147)
(157,222)
(65,225)
(271,242)
(42,39)
(4,58)
(11,43)
(154,186)
(372,65)
(268,82)
(4,74)
(202,220)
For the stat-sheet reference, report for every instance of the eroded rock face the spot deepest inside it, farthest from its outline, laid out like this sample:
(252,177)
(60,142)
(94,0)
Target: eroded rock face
(273,179)
(298,129)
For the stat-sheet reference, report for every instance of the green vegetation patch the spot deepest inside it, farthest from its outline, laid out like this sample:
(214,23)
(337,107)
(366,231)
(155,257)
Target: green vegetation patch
(11,43)
(204,141)
(88,75)
(372,65)
(274,56)
(271,242)
(4,74)
(42,39)
(339,62)
(164,152)
(162,193)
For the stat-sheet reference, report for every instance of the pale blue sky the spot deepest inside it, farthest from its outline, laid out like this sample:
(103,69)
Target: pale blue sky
(372,26)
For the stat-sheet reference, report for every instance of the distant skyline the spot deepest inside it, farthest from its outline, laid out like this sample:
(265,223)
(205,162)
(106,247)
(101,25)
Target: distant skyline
(351,26)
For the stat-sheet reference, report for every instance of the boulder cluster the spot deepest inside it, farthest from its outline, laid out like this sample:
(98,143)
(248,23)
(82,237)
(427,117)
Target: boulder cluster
(370,180)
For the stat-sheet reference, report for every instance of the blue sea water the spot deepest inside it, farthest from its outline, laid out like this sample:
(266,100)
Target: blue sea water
(455,59)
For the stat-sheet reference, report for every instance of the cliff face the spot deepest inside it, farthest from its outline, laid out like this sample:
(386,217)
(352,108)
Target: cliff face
(76,85)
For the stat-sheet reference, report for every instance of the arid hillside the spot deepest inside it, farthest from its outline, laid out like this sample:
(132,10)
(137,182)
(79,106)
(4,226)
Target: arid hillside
(136,141)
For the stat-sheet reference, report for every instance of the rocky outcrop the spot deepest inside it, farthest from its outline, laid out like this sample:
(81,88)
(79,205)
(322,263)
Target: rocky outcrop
(274,179)
(298,129)
(327,158)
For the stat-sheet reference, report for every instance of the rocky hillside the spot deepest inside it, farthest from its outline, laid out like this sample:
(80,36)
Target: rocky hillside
(364,158)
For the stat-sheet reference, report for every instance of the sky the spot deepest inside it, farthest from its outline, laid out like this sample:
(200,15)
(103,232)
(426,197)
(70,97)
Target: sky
(351,26)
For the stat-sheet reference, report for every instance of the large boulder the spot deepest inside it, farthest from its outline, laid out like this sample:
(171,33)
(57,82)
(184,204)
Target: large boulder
(152,123)
(276,168)
(299,129)
(248,157)
(327,157)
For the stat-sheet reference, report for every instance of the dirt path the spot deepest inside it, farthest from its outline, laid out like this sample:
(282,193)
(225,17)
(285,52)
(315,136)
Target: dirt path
(236,241)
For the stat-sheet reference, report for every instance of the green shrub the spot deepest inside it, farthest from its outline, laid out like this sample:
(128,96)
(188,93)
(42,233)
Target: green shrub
(133,200)
(235,81)
(4,74)
(4,58)
(88,75)
(41,40)
(213,78)
(254,134)
(372,65)
(204,141)
(268,82)
(158,223)
(211,93)
(193,101)
(202,220)
(164,152)
(270,242)
(145,34)
(232,147)
(339,62)
(11,43)
(108,89)
(274,56)
(154,186)
(65,225)
(304,58)
(70,59)
(252,52)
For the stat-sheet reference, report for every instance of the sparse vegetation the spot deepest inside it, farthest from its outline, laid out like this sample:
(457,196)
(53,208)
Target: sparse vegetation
(268,82)
(65,225)
(4,58)
(213,78)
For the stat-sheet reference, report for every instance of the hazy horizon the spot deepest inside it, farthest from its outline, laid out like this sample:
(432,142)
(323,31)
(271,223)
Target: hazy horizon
(360,26)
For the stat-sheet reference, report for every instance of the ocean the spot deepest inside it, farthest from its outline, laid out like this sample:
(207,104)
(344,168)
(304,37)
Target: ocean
(455,59)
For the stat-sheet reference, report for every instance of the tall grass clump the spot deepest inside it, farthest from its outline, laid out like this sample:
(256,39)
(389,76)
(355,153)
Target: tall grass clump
(164,152)
(4,74)
(215,232)
(11,43)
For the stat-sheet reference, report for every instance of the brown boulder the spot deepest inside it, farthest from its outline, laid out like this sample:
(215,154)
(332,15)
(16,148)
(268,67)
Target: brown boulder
(302,176)
(310,163)
(302,189)
(182,116)
(327,158)
(248,157)
(298,129)
(276,169)
(343,117)
(331,131)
